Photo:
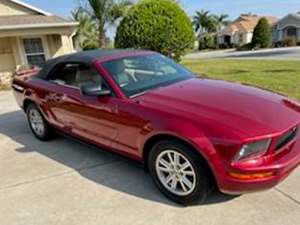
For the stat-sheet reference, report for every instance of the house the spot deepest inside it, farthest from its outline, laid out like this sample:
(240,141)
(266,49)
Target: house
(289,26)
(29,36)
(240,31)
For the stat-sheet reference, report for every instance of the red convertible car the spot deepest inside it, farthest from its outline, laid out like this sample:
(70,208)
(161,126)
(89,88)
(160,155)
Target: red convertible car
(190,132)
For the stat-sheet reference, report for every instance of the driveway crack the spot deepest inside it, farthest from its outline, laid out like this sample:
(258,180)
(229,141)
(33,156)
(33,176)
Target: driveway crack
(288,196)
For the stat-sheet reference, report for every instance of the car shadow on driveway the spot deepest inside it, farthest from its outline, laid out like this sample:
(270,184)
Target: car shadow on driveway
(102,167)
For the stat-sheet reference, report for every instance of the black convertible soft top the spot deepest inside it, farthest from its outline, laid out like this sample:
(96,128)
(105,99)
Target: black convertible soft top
(86,57)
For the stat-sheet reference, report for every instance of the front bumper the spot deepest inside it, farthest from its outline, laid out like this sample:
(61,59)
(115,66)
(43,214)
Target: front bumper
(278,166)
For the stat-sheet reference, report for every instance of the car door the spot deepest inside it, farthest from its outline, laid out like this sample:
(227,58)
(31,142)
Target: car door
(89,117)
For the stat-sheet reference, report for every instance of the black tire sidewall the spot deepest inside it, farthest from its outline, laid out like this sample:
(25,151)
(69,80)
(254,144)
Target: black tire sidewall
(202,182)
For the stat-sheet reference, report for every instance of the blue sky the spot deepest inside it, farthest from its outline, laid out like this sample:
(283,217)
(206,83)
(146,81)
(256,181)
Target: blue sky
(233,8)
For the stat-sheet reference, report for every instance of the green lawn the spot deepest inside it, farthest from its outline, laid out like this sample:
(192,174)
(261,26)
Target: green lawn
(279,76)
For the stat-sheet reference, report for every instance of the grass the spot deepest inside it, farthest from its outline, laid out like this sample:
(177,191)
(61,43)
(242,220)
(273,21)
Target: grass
(276,75)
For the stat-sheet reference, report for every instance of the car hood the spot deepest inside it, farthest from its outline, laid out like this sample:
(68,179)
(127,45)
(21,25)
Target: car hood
(222,107)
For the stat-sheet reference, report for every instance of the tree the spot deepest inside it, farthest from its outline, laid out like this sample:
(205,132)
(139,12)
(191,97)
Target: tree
(160,26)
(262,35)
(105,13)
(204,22)
(221,20)
(86,36)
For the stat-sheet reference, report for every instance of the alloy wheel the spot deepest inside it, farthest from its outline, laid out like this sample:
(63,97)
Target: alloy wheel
(175,172)
(36,122)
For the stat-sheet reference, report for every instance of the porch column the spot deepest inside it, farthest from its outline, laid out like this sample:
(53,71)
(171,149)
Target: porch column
(280,35)
(17,51)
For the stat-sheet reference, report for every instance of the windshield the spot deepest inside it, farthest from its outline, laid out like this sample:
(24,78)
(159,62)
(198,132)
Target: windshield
(138,74)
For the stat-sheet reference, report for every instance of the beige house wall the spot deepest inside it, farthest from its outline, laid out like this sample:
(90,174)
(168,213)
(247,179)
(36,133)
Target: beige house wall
(12,52)
(60,45)
(7,62)
(56,40)
(9,8)
(54,46)
(6,55)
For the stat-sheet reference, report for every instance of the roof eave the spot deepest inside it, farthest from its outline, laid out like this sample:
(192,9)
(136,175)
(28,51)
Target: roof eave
(40,11)
(46,25)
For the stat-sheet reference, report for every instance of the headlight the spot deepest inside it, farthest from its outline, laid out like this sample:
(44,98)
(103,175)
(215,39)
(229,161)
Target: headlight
(254,149)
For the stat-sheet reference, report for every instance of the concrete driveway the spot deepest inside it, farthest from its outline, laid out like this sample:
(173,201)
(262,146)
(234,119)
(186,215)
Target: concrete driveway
(292,53)
(66,182)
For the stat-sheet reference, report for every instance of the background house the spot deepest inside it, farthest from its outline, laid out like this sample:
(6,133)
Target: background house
(30,36)
(288,26)
(240,31)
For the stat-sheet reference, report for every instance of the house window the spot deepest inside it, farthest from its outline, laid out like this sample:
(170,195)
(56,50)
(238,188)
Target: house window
(34,51)
(291,32)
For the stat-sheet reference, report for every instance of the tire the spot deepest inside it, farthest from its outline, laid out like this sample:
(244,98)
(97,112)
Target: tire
(198,186)
(37,123)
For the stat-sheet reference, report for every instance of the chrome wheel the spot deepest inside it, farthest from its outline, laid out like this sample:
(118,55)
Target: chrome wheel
(175,172)
(37,122)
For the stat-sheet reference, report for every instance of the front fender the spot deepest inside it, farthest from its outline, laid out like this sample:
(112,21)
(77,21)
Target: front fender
(190,134)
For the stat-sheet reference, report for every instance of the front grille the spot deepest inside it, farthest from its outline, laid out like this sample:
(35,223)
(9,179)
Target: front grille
(286,138)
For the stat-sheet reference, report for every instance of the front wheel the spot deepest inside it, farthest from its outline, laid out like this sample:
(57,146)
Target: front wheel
(38,125)
(179,172)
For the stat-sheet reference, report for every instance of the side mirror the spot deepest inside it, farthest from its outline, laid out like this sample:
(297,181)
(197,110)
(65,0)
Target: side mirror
(94,90)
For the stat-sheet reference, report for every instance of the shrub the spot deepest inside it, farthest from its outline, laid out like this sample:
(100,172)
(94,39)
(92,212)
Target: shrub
(289,42)
(262,35)
(225,46)
(278,44)
(245,47)
(207,41)
(160,26)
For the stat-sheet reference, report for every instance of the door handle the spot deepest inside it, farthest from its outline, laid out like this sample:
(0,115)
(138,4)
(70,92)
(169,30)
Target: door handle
(57,97)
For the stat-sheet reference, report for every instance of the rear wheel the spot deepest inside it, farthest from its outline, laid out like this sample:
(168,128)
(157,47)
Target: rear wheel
(38,125)
(179,172)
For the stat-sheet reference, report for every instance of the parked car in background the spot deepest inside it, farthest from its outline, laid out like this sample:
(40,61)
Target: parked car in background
(191,133)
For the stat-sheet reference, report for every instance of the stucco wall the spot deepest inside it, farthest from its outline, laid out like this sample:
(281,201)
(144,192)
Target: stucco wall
(248,37)
(60,45)
(7,62)
(56,41)
(9,8)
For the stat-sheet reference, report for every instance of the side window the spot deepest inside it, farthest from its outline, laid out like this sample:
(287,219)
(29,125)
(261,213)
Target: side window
(85,75)
(64,74)
(75,75)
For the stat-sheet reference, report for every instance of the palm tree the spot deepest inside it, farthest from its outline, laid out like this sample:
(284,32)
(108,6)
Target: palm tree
(221,20)
(86,35)
(106,13)
(204,22)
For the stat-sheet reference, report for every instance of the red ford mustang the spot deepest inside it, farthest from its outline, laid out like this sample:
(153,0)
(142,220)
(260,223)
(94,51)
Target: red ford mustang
(191,133)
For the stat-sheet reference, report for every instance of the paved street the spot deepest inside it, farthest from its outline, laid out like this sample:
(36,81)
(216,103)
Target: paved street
(64,182)
(292,53)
